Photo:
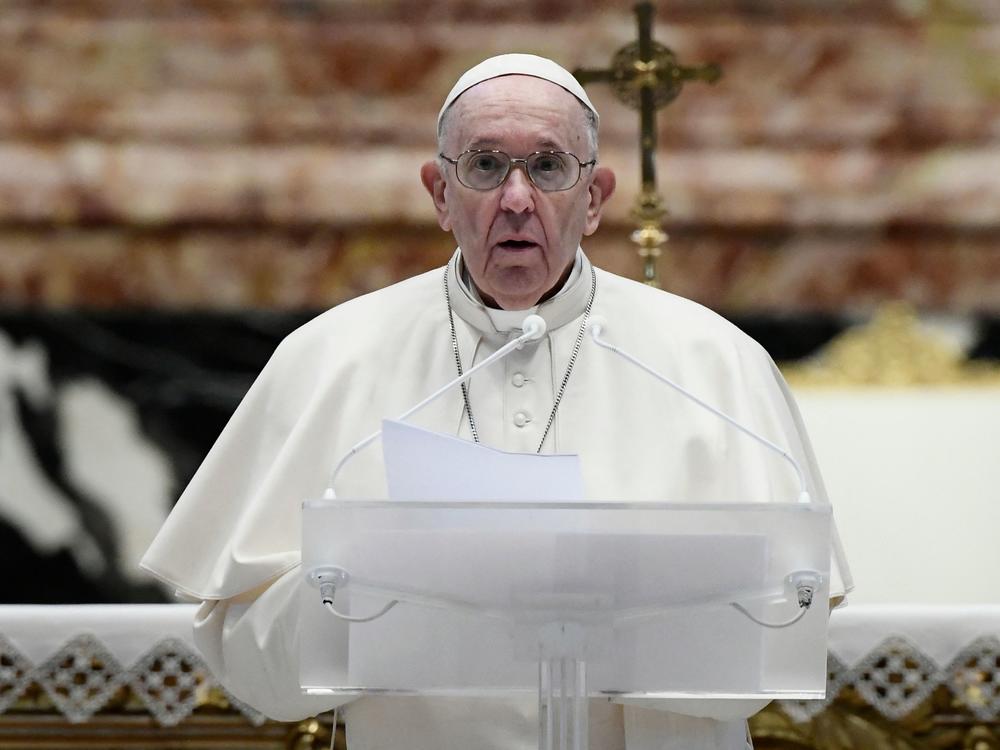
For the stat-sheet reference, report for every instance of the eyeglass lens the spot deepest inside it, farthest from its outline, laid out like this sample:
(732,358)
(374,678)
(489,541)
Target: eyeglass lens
(485,170)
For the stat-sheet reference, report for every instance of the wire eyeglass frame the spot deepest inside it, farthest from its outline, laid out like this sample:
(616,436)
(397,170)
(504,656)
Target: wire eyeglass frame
(513,162)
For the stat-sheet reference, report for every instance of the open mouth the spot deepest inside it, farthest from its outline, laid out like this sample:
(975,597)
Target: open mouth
(517,244)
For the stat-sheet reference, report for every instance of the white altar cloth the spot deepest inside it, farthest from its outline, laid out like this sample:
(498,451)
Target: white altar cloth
(939,632)
(127,630)
(932,645)
(82,655)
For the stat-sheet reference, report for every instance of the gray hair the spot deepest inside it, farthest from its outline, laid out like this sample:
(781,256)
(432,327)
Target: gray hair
(589,116)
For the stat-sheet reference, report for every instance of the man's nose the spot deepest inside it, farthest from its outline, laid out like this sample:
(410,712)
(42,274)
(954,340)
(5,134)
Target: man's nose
(517,193)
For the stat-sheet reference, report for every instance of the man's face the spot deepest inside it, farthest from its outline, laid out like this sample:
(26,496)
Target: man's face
(517,241)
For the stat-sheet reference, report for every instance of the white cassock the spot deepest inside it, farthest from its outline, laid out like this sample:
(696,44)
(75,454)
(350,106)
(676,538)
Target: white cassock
(233,538)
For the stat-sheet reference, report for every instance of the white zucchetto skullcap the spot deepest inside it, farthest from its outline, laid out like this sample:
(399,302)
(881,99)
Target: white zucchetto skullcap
(518,64)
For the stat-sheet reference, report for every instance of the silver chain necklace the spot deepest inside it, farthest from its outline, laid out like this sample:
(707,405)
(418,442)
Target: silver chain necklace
(569,368)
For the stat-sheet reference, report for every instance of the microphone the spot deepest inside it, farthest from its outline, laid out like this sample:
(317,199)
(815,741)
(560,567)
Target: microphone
(597,325)
(532,329)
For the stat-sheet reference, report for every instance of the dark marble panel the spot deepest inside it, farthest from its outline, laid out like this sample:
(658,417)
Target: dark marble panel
(177,377)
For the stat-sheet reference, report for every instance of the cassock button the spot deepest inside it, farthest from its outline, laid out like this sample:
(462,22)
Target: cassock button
(517,380)
(521,419)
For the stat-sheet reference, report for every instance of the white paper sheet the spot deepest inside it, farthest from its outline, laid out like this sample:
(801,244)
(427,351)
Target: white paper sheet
(425,465)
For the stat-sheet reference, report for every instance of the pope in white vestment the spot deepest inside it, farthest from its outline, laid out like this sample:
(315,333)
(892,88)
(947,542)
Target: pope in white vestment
(233,539)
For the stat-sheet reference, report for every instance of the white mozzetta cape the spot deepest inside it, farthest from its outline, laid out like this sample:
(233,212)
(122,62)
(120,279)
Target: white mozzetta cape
(232,540)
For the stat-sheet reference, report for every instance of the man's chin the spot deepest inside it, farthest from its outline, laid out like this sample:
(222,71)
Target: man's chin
(515,296)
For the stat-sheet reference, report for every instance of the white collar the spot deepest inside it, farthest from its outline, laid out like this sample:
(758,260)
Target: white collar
(567,304)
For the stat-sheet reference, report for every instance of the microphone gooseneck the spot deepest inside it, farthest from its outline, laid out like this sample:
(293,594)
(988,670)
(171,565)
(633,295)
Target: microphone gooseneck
(598,325)
(803,583)
(532,329)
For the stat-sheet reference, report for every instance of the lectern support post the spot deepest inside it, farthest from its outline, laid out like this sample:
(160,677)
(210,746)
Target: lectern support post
(563,705)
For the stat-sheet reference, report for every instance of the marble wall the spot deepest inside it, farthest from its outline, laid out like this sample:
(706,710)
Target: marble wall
(209,153)
(184,181)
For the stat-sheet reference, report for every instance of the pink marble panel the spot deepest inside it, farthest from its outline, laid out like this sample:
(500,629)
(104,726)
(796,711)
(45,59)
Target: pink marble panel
(163,184)
(735,271)
(228,153)
(833,81)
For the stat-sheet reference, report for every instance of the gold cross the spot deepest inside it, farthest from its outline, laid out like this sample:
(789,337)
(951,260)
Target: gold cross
(646,76)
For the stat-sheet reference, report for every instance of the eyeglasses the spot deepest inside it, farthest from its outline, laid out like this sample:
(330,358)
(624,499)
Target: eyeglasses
(549,171)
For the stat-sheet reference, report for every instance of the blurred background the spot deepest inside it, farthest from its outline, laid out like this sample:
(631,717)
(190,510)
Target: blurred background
(183,182)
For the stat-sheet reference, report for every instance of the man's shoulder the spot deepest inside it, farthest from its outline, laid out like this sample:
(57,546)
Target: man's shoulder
(662,314)
(384,312)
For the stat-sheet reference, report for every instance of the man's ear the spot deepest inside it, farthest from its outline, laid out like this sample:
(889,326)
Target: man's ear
(601,187)
(433,179)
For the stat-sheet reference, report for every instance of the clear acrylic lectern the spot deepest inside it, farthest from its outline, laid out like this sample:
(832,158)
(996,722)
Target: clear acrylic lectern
(622,600)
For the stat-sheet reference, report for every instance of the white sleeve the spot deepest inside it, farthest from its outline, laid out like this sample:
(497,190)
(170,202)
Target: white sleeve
(252,647)
(649,729)
(702,708)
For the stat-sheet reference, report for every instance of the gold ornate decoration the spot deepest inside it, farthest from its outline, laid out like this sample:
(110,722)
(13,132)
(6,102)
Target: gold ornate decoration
(313,734)
(891,350)
(646,76)
(35,722)
(122,731)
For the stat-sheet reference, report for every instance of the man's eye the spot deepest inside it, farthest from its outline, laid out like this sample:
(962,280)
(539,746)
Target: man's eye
(548,164)
(485,163)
